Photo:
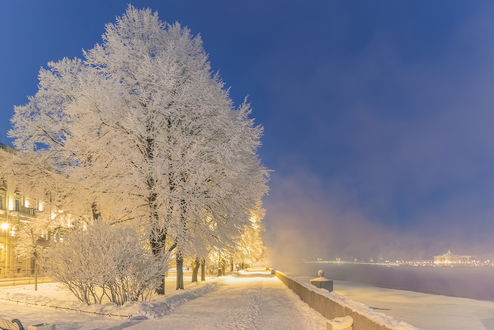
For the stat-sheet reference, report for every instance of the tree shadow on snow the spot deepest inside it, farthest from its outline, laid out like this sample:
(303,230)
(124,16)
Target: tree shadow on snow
(125,325)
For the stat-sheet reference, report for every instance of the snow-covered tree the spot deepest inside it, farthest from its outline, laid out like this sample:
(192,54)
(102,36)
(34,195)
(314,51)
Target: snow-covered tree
(250,247)
(31,243)
(146,132)
(106,261)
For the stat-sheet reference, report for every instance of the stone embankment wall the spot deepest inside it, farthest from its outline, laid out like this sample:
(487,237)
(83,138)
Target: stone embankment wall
(331,308)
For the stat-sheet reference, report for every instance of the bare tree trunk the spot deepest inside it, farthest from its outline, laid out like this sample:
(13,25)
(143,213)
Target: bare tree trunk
(161,288)
(157,241)
(35,275)
(96,213)
(231,265)
(158,235)
(203,269)
(223,266)
(195,270)
(180,271)
(179,255)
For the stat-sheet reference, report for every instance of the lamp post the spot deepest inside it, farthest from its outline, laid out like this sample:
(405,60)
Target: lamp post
(5,227)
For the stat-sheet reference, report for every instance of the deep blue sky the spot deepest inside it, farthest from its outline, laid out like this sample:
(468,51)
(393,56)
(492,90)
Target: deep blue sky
(378,114)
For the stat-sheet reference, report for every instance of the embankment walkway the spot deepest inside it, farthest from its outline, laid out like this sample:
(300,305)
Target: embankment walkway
(244,301)
(247,300)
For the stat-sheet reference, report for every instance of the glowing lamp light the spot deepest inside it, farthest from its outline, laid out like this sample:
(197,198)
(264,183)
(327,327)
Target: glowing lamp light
(11,204)
(26,203)
(12,233)
(40,207)
(4,226)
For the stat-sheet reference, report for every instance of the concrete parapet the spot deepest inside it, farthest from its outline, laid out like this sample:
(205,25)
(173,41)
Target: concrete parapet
(331,309)
(340,323)
(323,283)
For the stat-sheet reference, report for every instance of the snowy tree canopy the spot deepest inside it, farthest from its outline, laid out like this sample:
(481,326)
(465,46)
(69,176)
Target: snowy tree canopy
(250,247)
(143,129)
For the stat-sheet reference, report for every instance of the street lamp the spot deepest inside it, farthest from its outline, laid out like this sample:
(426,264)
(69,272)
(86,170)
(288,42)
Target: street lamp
(5,227)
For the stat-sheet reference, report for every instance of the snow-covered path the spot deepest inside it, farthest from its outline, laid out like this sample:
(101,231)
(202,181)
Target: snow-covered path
(255,301)
(242,303)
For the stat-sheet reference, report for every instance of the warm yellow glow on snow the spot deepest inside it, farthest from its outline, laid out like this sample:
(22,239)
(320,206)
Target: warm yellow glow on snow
(251,278)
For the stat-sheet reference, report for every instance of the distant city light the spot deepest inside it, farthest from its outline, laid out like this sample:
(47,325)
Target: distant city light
(446,260)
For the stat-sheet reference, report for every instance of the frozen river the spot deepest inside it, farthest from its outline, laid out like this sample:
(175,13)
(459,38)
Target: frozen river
(425,311)
(466,282)
(426,297)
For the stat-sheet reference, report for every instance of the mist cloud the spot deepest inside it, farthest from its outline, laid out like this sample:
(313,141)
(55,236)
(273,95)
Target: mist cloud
(401,153)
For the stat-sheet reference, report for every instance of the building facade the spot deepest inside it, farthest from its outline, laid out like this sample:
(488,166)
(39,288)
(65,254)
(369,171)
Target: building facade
(451,259)
(15,210)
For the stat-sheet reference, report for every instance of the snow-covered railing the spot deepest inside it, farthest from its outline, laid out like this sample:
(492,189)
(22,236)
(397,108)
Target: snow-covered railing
(331,305)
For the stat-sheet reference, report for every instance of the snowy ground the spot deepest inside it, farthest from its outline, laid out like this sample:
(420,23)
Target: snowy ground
(251,300)
(245,301)
(425,311)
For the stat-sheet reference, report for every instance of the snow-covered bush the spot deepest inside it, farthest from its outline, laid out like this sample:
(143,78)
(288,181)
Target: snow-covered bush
(106,261)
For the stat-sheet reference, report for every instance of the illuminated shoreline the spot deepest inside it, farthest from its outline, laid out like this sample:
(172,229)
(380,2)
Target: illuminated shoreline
(422,263)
